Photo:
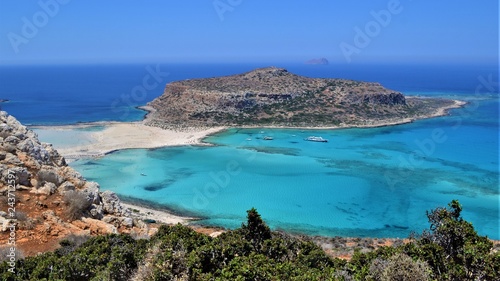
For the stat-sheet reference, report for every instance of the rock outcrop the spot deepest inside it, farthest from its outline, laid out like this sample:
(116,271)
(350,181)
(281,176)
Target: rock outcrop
(275,97)
(42,180)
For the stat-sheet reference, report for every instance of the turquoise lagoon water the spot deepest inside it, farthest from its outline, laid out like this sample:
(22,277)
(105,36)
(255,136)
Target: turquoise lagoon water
(364,182)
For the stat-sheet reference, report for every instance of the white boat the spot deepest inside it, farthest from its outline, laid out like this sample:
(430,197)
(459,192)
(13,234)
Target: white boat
(316,139)
(268,138)
(248,139)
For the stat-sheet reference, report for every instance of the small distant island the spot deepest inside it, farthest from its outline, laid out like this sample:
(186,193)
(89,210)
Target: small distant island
(320,61)
(274,97)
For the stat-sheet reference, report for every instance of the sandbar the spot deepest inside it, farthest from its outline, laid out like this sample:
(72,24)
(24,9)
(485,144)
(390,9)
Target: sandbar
(127,135)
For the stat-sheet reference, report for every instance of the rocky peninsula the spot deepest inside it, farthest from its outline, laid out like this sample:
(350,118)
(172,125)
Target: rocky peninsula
(274,97)
(45,200)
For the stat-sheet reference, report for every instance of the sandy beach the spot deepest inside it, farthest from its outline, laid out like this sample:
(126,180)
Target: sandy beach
(159,216)
(126,135)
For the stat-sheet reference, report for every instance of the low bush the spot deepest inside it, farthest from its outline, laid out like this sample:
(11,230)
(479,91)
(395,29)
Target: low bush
(77,204)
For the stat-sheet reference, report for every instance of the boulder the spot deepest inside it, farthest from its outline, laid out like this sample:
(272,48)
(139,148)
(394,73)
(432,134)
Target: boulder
(11,159)
(23,176)
(111,203)
(141,224)
(20,135)
(48,188)
(65,186)
(27,145)
(110,219)
(50,216)
(12,122)
(71,175)
(11,140)
(96,211)
(53,156)
(5,130)
(127,222)
(22,188)
(91,189)
(99,227)
(4,223)
(8,148)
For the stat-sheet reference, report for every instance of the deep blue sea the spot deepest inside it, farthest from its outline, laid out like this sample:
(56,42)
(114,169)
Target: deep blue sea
(374,182)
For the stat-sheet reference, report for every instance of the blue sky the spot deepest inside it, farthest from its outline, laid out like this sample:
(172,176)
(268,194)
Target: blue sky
(111,31)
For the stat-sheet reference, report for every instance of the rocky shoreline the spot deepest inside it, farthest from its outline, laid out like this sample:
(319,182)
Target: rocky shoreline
(49,199)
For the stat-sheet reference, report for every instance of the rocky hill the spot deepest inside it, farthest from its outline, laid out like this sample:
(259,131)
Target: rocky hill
(44,200)
(275,97)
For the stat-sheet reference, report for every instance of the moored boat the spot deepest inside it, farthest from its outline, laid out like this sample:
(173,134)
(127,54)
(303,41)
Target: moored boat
(316,139)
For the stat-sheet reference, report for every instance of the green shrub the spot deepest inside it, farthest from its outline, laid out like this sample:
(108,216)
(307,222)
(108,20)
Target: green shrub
(450,250)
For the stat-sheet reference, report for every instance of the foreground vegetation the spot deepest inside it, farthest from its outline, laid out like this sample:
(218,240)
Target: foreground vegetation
(450,250)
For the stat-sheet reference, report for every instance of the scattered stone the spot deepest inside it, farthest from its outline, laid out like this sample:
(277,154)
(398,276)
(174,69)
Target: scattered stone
(56,203)
(11,159)
(110,219)
(11,140)
(96,211)
(65,187)
(8,148)
(99,227)
(127,222)
(41,205)
(50,215)
(91,189)
(48,188)
(23,187)
(140,224)
(5,223)
(23,177)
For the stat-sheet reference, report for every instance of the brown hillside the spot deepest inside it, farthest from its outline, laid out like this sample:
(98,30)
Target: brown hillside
(275,97)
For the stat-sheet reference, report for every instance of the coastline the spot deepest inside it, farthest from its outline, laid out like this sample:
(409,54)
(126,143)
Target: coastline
(159,216)
(443,111)
(128,135)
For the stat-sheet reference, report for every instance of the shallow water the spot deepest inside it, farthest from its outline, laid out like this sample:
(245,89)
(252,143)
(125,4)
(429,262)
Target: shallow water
(67,137)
